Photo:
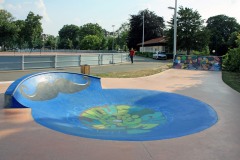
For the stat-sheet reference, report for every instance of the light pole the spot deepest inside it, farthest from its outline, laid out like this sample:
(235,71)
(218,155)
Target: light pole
(113,38)
(175,30)
(43,37)
(143,34)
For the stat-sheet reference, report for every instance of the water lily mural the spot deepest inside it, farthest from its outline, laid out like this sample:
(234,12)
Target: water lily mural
(132,120)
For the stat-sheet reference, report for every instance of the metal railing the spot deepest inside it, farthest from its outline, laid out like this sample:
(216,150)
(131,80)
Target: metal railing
(30,61)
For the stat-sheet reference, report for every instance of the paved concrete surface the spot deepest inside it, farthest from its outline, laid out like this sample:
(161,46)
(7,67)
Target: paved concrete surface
(73,104)
(22,138)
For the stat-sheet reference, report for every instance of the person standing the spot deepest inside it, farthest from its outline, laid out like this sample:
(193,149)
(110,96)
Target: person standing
(131,54)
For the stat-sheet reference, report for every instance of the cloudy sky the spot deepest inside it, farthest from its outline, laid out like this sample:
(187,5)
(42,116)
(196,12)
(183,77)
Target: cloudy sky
(106,13)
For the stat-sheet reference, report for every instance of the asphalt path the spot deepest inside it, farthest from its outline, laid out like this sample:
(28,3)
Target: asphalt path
(22,138)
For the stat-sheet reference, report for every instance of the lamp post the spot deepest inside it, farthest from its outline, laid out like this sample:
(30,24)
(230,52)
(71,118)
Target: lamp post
(113,38)
(175,29)
(143,34)
(43,38)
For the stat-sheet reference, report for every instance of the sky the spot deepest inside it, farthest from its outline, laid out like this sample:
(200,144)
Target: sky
(57,13)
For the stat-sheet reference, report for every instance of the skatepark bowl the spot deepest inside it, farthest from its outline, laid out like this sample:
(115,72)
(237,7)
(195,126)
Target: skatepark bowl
(76,104)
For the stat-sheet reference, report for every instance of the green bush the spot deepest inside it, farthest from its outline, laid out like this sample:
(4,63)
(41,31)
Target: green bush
(198,53)
(231,61)
(145,54)
(204,52)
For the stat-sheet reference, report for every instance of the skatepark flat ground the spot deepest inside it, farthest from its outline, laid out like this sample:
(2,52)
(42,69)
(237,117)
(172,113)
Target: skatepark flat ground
(22,138)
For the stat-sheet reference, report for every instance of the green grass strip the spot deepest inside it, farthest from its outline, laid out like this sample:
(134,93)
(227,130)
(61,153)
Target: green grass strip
(232,79)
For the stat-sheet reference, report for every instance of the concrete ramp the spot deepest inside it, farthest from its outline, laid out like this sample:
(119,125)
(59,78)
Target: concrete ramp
(76,104)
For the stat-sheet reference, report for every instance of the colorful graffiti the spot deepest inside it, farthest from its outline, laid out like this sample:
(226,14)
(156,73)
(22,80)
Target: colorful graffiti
(132,120)
(192,62)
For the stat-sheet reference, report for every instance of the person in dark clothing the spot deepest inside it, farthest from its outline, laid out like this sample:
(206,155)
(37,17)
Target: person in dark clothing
(131,54)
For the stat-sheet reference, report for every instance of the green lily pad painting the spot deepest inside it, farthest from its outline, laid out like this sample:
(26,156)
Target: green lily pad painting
(132,120)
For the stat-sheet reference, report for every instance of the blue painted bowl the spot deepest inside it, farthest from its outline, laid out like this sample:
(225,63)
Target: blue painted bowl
(77,105)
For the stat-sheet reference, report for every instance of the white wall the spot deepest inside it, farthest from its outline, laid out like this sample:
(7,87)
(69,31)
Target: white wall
(152,48)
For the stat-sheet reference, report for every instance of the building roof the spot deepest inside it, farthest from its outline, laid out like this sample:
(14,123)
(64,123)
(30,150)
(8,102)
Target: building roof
(155,41)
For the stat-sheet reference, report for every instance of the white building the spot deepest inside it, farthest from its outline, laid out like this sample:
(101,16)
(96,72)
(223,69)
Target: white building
(153,45)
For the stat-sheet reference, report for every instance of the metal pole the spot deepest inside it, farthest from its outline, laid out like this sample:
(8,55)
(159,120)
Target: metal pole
(55,61)
(23,61)
(79,59)
(121,57)
(143,34)
(112,59)
(175,31)
(113,38)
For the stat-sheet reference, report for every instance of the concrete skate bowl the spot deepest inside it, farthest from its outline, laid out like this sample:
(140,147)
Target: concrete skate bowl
(76,104)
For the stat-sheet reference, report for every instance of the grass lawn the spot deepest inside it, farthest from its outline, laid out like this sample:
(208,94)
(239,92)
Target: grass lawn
(135,74)
(232,79)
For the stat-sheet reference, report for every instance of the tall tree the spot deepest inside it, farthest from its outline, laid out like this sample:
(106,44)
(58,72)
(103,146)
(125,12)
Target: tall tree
(50,42)
(233,39)
(33,30)
(191,34)
(221,27)
(91,31)
(122,35)
(21,36)
(91,42)
(231,60)
(69,37)
(153,27)
(8,30)
(110,43)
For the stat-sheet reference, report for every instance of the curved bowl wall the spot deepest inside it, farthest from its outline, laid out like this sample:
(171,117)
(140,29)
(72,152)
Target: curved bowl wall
(76,104)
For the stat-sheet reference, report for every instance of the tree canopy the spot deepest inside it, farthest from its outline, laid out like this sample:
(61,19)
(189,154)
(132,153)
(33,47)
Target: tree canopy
(92,33)
(69,37)
(191,34)
(91,29)
(220,34)
(8,30)
(231,61)
(91,42)
(74,37)
(153,27)
(33,30)
(221,27)
(21,35)
(50,42)
(122,35)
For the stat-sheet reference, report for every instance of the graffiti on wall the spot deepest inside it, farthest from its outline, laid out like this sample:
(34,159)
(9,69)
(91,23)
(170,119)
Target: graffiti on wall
(193,62)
